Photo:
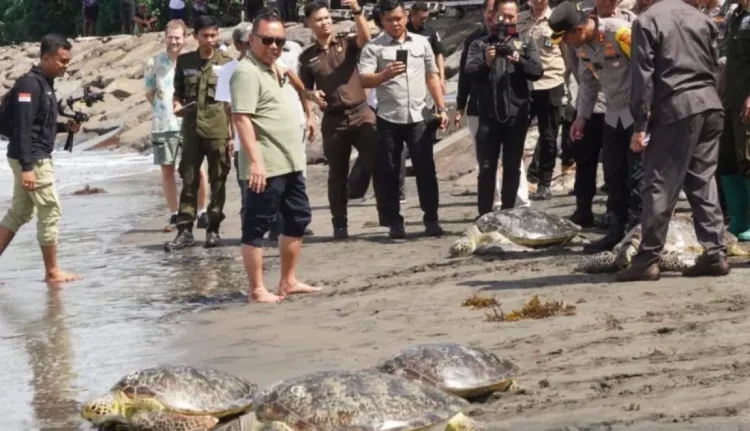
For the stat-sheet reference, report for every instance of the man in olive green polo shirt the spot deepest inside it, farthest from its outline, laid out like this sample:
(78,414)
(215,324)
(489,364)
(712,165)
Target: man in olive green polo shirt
(275,160)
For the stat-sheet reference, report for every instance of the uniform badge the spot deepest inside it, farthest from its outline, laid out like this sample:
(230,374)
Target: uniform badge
(601,37)
(547,42)
(190,72)
(517,44)
(24,97)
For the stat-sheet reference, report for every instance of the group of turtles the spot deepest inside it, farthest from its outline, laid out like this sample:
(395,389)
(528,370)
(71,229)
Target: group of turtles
(525,229)
(424,387)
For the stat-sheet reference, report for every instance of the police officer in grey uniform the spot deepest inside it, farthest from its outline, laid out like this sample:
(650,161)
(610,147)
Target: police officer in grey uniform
(674,93)
(604,49)
(586,151)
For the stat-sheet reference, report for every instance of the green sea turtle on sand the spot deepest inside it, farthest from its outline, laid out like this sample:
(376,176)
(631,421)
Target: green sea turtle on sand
(358,401)
(171,398)
(680,250)
(461,370)
(511,230)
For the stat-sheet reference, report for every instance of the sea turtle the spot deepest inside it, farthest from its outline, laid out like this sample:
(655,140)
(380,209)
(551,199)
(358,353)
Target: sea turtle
(461,370)
(517,229)
(170,398)
(358,401)
(680,250)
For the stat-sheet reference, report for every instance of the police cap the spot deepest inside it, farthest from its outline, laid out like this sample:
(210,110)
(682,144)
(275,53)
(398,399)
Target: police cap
(565,17)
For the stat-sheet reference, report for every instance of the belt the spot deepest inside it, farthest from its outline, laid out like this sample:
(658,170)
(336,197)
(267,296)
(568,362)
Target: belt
(346,111)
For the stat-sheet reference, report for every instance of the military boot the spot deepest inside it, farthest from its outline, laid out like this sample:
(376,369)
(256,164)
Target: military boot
(184,238)
(212,238)
(615,233)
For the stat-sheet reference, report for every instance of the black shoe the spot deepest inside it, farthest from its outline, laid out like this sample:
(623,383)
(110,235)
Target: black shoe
(203,221)
(184,239)
(583,218)
(212,239)
(340,233)
(542,193)
(615,234)
(397,231)
(433,229)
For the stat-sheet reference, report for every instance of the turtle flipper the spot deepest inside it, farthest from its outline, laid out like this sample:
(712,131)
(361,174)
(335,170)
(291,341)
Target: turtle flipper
(604,262)
(467,244)
(494,244)
(460,422)
(166,421)
(675,262)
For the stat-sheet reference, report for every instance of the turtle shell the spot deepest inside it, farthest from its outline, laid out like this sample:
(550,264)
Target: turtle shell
(360,400)
(529,227)
(190,390)
(461,370)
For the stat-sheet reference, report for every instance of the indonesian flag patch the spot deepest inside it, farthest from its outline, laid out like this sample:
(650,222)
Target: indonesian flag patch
(24,97)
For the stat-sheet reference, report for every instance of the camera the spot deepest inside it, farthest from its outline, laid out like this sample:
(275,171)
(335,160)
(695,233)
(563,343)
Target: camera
(501,34)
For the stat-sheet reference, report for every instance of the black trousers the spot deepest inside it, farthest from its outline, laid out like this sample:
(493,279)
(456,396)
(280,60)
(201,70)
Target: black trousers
(285,195)
(546,106)
(341,133)
(493,136)
(391,140)
(567,156)
(586,154)
(623,174)
(360,175)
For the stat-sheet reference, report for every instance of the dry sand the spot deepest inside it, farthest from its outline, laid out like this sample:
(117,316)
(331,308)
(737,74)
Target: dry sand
(659,355)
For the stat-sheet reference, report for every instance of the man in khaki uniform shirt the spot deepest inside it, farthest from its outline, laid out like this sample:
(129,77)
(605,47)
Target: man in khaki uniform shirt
(547,94)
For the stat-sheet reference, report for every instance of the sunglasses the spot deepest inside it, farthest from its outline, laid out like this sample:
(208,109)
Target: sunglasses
(268,40)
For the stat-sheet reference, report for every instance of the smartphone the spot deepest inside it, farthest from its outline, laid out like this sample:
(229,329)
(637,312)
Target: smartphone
(402,55)
(185,106)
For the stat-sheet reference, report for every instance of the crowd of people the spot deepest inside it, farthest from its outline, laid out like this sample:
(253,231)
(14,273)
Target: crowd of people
(648,104)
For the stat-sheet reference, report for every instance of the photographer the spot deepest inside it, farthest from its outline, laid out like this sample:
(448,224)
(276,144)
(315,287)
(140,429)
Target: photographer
(30,115)
(500,65)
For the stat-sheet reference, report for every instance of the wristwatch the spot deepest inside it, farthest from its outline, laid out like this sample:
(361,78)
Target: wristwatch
(357,12)
(441,110)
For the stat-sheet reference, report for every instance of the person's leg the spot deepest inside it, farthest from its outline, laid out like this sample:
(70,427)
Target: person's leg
(190,165)
(359,179)
(665,164)
(203,190)
(513,142)
(295,207)
(548,123)
(165,148)
(615,163)
(489,140)
(47,205)
(337,148)
(262,209)
(217,152)
(366,142)
(21,209)
(634,182)
(700,188)
(586,152)
(389,152)
(419,142)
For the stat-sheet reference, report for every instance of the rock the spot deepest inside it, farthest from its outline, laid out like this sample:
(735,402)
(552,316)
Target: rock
(124,88)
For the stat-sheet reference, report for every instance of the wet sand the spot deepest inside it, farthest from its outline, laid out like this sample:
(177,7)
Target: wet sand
(661,355)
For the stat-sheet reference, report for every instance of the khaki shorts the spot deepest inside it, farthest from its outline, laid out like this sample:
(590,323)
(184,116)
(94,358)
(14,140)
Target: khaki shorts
(43,201)
(167,146)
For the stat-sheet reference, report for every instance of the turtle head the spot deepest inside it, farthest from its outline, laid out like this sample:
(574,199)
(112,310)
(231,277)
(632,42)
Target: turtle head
(106,408)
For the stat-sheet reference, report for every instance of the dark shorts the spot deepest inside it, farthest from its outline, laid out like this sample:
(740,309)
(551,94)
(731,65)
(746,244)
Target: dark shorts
(285,195)
(177,14)
(91,12)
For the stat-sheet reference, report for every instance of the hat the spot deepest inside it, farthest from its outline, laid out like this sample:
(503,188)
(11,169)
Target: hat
(242,32)
(564,18)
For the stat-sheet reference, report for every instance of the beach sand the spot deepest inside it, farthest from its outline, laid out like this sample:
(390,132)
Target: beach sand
(657,355)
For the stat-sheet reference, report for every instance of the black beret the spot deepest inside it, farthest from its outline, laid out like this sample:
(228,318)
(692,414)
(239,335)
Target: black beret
(565,17)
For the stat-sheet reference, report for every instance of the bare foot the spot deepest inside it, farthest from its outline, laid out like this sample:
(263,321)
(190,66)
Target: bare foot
(297,288)
(62,277)
(263,296)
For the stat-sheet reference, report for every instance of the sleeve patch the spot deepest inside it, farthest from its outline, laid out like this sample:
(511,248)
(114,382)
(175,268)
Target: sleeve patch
(623,36)
(24,97)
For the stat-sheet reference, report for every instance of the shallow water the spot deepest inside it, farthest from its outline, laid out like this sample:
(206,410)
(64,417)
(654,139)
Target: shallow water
(59,348)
